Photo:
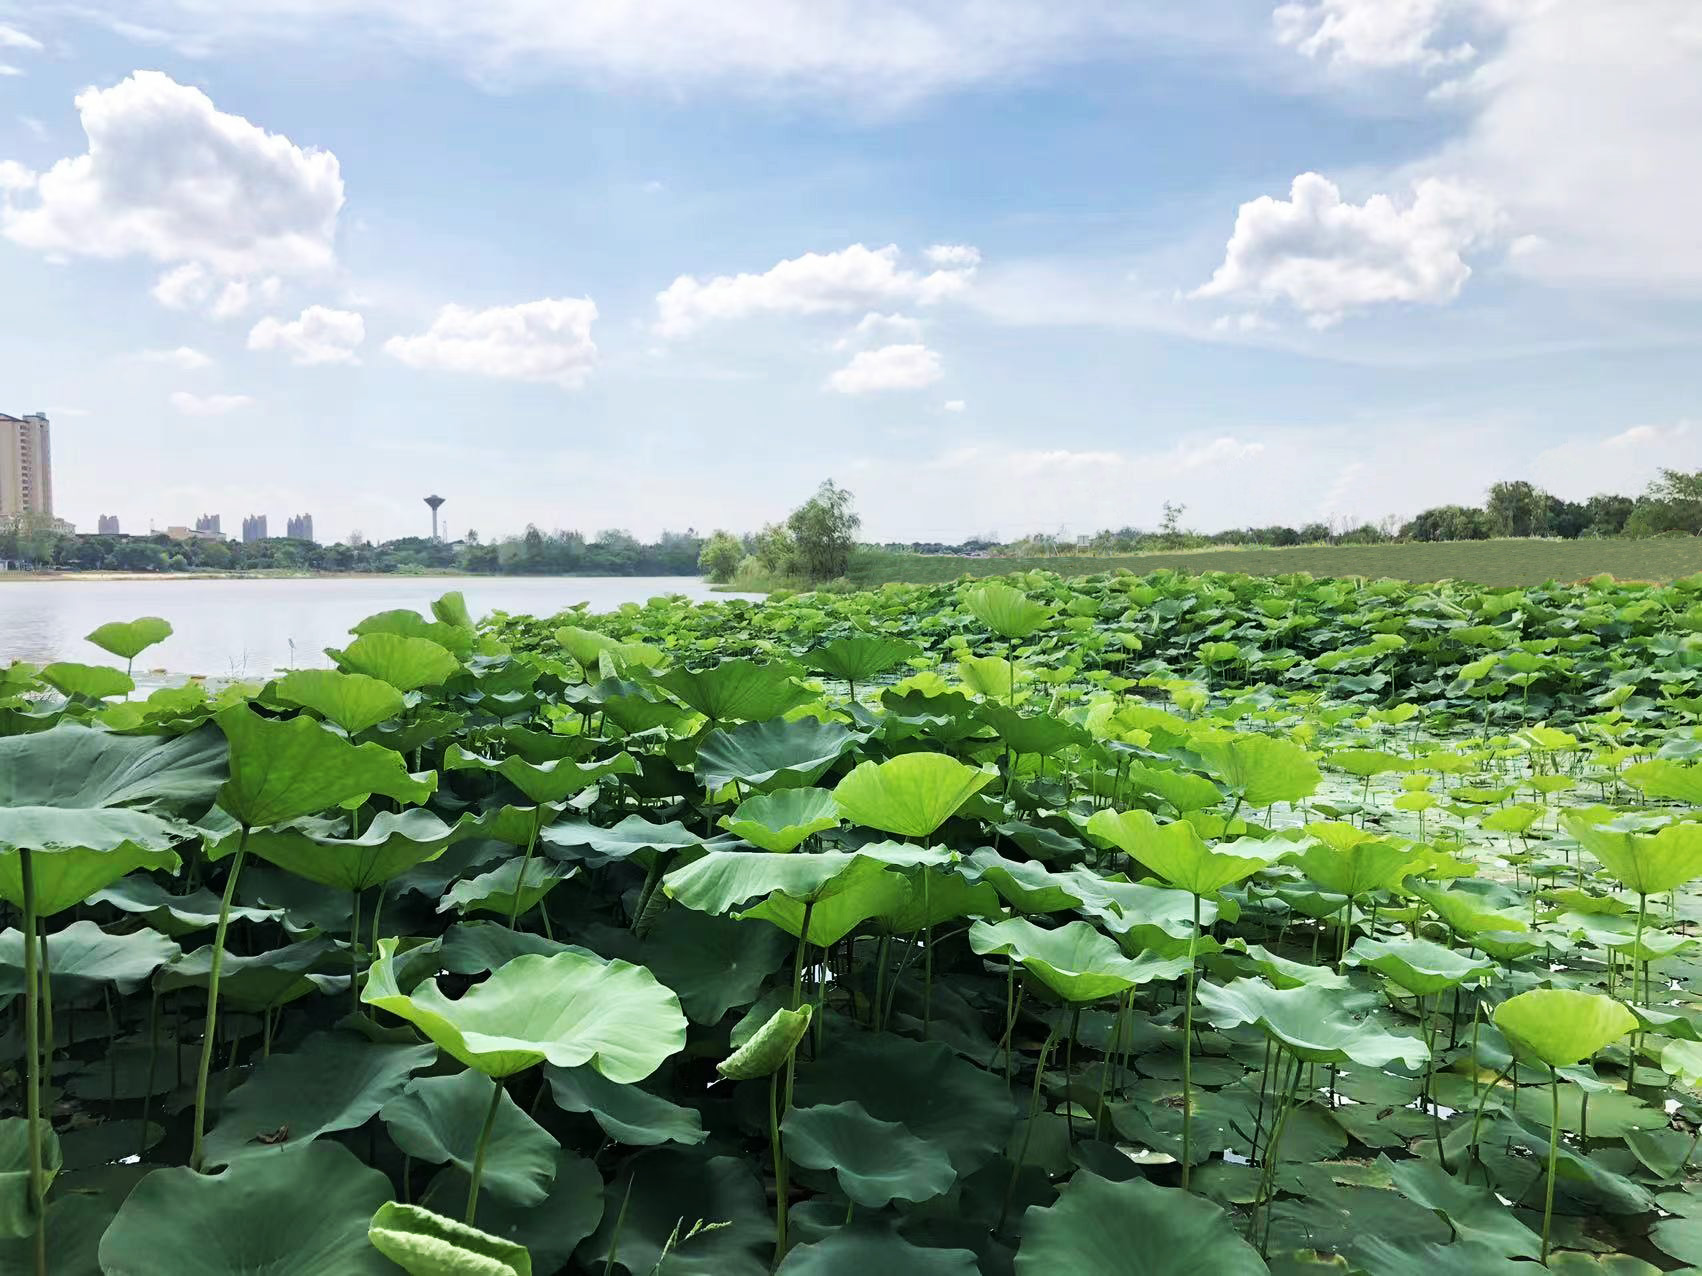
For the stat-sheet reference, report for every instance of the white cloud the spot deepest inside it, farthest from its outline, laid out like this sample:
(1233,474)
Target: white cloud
(186,358)
(170,177)
(1326,257)
(1622,463)
(954,256)
(7,69)
(12,38)
(548,340)
(954,405)
(320,335)
(208,404)
(854,278)
(182,286)
(906,367)
(15,177)
(1371,33)
(37,129)
(875,328)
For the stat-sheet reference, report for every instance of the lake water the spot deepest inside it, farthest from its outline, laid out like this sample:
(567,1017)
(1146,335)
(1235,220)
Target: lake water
(245,628)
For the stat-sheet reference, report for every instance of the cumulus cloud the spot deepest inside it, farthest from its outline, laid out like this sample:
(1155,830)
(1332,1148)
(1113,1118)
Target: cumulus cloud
(15,177)
(12,38)
(319,335)
(1325,256)
(191,404)
(875,328)
(905,367)
(185,358)
(854,278)
(170,177)
(548,340)
(1371,33)
(954,256)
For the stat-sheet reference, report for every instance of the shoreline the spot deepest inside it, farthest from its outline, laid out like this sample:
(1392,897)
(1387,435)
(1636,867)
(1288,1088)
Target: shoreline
(448,573)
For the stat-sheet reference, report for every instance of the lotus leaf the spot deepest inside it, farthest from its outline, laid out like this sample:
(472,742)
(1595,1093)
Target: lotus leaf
(781,821)
(874,1161)
(1075,961)
(1309,1021)
(438,1119)
(1562,1026)
(353,701)
(910,795)
(427,1244)
(1132,1228)
(283,769)
(128,639)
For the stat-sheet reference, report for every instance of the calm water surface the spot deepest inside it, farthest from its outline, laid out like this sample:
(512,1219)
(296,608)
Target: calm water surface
(245,628)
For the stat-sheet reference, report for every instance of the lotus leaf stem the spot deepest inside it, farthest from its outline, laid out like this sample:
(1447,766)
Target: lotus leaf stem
(479,1152)
(34,1078)
(1553,1151)
(525,862)
(214,970)
(1188,1050)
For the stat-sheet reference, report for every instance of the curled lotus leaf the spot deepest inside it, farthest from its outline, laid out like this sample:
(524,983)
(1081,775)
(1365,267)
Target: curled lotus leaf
(1309,1021)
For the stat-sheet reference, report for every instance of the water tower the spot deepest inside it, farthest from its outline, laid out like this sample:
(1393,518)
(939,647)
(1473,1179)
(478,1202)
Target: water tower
(434,502)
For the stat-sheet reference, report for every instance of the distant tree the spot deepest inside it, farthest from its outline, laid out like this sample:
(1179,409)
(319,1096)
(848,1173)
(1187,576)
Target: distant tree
(1567,518)
(214,555)
(1673,503)
(720,556)
(824,531)
(776,551)
(1517,508)
(1447,523)
(1606,514)
(1314,534)
(1170,526)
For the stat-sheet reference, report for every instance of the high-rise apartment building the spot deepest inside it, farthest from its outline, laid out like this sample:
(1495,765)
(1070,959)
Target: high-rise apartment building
(109,525)
(300,527)
(26,465)
(208,523)
(254,528)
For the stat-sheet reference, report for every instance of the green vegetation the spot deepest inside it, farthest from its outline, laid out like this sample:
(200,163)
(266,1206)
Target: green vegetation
(1164,924)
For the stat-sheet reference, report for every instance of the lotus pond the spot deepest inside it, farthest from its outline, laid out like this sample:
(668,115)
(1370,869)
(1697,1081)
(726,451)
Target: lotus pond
(1164,924)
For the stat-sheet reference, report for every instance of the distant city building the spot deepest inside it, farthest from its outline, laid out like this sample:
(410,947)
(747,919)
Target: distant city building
(26,465)
(300,527)
(254,528)
(178,532)
(109,525)
(208,523)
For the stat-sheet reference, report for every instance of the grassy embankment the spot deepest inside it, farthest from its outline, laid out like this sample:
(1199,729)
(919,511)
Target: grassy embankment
(1496,562)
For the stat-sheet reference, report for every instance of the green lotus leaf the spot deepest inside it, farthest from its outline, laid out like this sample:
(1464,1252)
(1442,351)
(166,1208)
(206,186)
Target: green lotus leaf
(1465,913)
(1182,789)
(438,1119)
(860,656)
(910,795)
(426,1244)
(332,1081)
(1419,966)
(284,768)
(1028,886)
(1473,1211)
(1649,864)
(1259,769)
(65,878)
(1562,1026)
(627,1113)
(1075,961)
(1006,611)
(737,690)
(1175,851)
(782,820)
(496,891)
(392,844)
(410,624)
(567,1009)
(658,1197)
(75,768)
(721,880)
(712,963)
(542,782)
(97,682)
(894,900)
(1133,1228)
(875,1162)
(266,979)
(1284,973)
(128,639)
(771,754)
(17,1209)
(303,1212)
(405,663)
(869,1245)
(1358,870)
(551,1229)
(769,1047)
(354,701)
(1310,1021)
(572,839)
(82,958)
(1033,734)
(173,915)
(1366,763)
(1662,777)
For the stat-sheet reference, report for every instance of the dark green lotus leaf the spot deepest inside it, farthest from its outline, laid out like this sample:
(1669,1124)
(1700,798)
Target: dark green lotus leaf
(771,754)
(1133,1228)
(473,947)
(83,958)
(553,781)
(71,767)
(910,795)
(1419,966)
(551,1229)
(628,1114)
(782,821)
(1259,769)
(302,1213)
(713,964)
(660,1195)
(405,663)
(390,845)
(860,656)
(1075,961)
(737,690)
(567,1009)
(438,1119)
(1035,734)
(17,1210)
(512,888)
(581,840)
(266,979)
(78,1212)
(1475,1214)
(332,1081)
(128,639)
(96,682)
(427,1244)
(65,878)
(871,1245)
(353,701)
(1310,1021)
(923,1086)
(284,768)
(875,1162)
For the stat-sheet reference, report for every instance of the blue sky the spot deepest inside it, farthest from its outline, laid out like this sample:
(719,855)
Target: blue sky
(998,266)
